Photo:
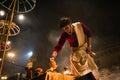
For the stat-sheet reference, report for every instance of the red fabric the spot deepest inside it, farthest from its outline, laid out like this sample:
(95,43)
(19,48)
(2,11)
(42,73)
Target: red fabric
(72,39)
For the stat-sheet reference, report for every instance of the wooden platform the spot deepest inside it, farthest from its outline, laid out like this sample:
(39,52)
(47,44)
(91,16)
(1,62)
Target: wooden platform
(88,76)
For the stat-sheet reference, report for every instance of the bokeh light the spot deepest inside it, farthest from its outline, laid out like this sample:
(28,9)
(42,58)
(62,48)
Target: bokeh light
(21,17)
(2,13)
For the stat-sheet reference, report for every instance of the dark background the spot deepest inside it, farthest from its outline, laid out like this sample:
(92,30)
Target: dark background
(40,32)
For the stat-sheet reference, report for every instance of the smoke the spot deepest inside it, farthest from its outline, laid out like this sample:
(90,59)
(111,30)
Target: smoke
(63,57)
(63,60)
(53,37)
(107,74)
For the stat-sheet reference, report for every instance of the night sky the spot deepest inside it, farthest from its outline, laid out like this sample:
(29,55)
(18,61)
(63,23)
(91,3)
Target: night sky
(40,30)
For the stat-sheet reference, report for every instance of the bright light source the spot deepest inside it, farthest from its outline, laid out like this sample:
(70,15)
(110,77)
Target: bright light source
(8,42)
(21,17)
(4,77)
(0,59)
(11,55)
(30,54)
(2,13)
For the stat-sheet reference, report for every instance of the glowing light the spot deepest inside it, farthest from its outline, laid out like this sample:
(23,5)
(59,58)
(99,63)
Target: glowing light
(2,13)
(11,55)
(8,42)
(30,54)
(0,59)
(4,77)
(21,17)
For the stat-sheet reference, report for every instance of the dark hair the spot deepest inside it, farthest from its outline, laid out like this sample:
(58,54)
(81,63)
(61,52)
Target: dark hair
(64,21)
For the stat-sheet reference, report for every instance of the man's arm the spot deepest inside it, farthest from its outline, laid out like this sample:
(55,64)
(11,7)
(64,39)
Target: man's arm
(59,45)
(89,47)
(89,37)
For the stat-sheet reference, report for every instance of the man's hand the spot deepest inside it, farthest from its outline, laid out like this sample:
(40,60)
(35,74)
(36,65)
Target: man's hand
(54,54)
(53,64)
(88,50)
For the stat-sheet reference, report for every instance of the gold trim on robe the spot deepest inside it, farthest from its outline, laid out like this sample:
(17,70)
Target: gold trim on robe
(81,62)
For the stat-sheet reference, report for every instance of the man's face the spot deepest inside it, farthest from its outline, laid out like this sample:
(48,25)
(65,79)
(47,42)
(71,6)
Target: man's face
(67,28)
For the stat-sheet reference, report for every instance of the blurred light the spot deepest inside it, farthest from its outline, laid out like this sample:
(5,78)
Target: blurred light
(4,77)
(30,54)
(8,42)
(11,55)
(2,13)
(21,17)
(18,74)
(0,59)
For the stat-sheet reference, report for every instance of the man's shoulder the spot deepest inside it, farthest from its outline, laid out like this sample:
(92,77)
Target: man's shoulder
(76,23)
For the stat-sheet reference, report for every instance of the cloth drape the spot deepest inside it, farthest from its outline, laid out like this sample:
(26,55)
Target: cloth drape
(81,62)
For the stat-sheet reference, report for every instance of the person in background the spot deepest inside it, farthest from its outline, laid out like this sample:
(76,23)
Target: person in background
(80,39)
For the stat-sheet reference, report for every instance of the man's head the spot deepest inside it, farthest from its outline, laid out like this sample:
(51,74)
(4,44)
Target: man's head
(65,24)
(64,21)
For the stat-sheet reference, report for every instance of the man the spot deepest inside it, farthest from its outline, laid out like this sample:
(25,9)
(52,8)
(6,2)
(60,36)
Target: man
(80,39)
